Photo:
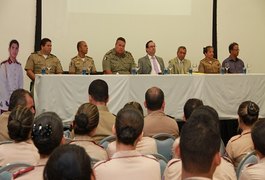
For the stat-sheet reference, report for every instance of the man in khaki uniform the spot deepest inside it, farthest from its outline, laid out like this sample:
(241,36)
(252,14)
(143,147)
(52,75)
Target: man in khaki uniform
(117,60)
(82,62)
(151,64)
(209,64)
(256,171)
(43,60)
(127,163)
(156,120)
(18,97)
(179,65)
(99,95)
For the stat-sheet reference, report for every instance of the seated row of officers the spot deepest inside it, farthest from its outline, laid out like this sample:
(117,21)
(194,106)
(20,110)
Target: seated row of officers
(120,61)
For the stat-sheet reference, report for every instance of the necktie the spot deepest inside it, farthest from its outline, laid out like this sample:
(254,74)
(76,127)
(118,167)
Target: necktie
(181,70)
(155,64)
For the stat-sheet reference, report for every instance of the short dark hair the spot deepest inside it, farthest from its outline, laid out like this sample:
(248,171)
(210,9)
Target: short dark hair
(47,132)
(199,143)
(248,112)
(181,47)
(20,123)
(147,44)
(13,41)
(86,119)
(68,162)
(136,105)
(121,39)
(79,44)
(206,49)
(18,97)
(257,135)
(231,46)
(129,125)
(99,90)
(154,98)
(190,105)
(44,41)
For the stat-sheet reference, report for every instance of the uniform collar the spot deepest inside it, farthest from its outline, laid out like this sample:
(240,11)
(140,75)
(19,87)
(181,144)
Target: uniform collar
(130,153)
(10,61)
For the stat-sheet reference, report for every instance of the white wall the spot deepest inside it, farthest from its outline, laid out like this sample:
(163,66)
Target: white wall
(17,20)
(242,21)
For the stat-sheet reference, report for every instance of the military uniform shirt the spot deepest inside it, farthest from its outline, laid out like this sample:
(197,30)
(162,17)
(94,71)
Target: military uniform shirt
(11,78)
(254,171)
(121,64)
(209,66)
(78,64)
(36,62)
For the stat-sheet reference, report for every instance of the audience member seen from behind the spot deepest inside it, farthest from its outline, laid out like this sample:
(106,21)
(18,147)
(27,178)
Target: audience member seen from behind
(199,149)
(146,145)
(127,163)
(85,125)
(233,63)
(69,162)
(206,115)
(209,64)
(11,75)
(238,146)
(256,171)
(99,95)
(22,149)
(156,120)
(18,97)
(47,134)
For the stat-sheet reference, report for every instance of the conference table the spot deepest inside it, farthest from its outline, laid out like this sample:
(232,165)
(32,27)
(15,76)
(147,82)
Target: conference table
(64,93)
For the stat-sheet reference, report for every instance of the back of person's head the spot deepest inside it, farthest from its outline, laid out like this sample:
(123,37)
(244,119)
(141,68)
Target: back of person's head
(68,162)
(98,90)
(190,105)
(154,98)
(199,144)
(129,125)
(47,132)
(136,105)
(20,123)
(248,112)
(86,119)
(258,134)
(18,97)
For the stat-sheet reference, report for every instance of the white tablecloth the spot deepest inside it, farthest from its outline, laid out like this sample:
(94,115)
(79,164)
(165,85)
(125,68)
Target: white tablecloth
(63,94)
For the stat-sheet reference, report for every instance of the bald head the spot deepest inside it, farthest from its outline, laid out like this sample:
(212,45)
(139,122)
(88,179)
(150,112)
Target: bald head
(154,98)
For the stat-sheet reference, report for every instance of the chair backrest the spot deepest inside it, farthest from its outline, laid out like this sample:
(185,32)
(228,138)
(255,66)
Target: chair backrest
(14,170)
(164,144)
(104,142)
(250,158)
(162,161)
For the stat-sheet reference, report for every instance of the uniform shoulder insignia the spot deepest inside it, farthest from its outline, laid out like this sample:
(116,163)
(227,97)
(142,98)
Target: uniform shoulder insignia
(173,161)
(35,52)
(150,157)
(88,57)
(235,138)
(99,163)
(52,55)
(74,58)
(3,62)
(109,52)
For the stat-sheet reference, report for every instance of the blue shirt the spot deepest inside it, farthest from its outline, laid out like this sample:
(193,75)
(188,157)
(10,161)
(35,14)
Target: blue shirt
(235,66)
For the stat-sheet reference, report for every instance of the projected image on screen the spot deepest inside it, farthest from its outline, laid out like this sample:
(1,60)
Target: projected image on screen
(169,23)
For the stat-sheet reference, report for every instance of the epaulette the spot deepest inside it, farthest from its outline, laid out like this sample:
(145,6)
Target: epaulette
(36,52)
(52,55)
(109,52)
(173,161)
(23,171)
(88,57)
(99,163)
(3,62)
(74,58)
(150,157)
(226,158)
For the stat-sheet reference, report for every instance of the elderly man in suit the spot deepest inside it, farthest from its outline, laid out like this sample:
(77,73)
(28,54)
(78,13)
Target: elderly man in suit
(151,64)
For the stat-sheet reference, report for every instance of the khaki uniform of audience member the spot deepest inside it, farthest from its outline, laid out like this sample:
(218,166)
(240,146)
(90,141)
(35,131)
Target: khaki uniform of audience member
(36,62)
(254,171)
(19,152)
(145,146)
(77,65)
(93,150)
(225,171)
(209,66)
(121,64)
(177,67)
(36,173)
(3,126)
(158,122)
(129,165)
(238,146)
(106,122)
